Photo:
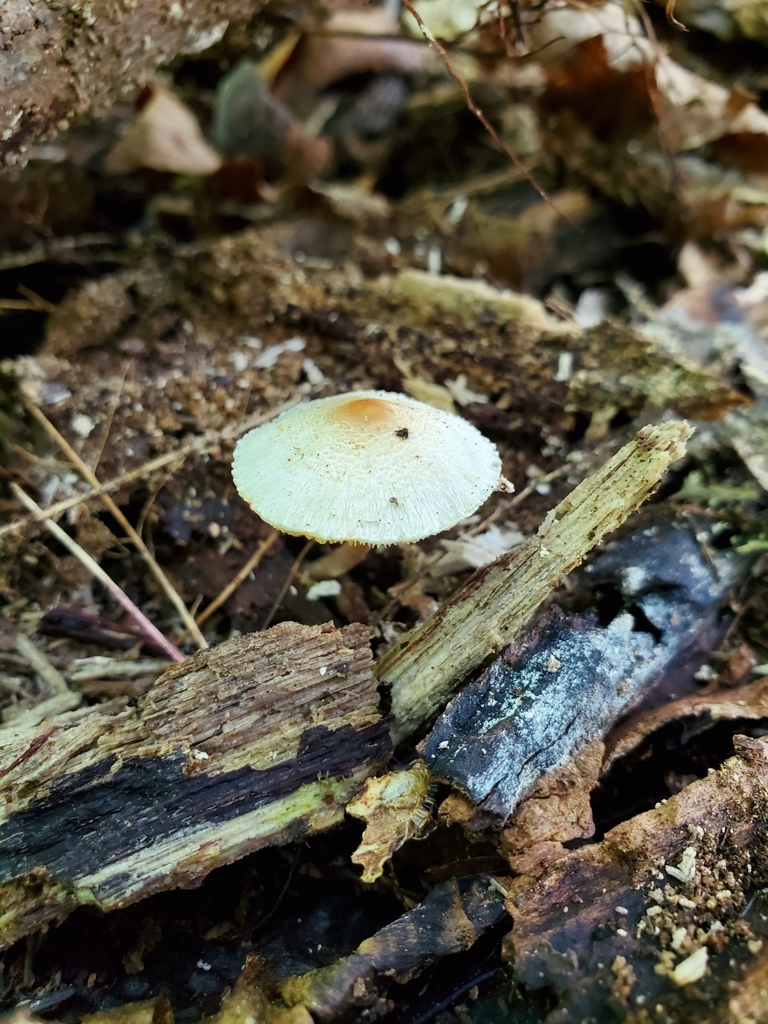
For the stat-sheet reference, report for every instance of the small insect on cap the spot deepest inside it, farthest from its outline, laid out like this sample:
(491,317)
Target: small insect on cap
(369,467)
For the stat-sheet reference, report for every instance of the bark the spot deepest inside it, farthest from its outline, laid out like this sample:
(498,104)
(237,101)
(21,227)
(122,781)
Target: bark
(621,903)
(259,741)
(62,58)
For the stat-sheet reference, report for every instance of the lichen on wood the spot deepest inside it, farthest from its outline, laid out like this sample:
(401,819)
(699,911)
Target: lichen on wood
(567,681)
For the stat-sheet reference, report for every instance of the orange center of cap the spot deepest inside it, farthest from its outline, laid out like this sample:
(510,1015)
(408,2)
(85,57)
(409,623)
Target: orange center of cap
(362,412)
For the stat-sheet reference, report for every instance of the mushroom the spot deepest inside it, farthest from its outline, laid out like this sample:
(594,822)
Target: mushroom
(369,467)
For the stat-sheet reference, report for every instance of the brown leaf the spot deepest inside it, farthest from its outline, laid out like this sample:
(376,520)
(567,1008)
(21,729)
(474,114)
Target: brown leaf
(164,136)
(350,42)
(623,113)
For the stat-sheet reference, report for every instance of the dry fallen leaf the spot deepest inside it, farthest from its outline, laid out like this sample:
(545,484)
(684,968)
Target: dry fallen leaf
(165,136)
(635,122)
(349,42)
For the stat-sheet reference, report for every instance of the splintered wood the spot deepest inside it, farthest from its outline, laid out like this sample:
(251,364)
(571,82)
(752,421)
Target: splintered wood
(427,665)
(258,742)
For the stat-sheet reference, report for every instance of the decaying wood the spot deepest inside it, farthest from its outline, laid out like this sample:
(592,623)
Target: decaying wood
(744,702)
(257,742)
(148,1011)
(614,366)
(657,888)
(451,918)
(558,809)
(395,807)
(428,664)
(566,681)
(60,60)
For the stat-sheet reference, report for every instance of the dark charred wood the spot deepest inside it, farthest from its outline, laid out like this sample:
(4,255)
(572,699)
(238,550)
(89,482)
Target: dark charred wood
(257,742)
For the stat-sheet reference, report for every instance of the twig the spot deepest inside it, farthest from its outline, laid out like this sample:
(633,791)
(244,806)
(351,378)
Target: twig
(111,485)
(135,538)
(50,250)
(236,580)
(14,685)
(670,12)
(650,67)
(426,666)
(474,109)
(142,622)
(508,504)
(37,300)
(284,589)
(48,672)
(17,304)
(202,445)
(109,418)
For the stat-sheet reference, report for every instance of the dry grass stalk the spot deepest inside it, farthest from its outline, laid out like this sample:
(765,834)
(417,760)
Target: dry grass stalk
(54,680)
(135,538)
(202,445)
(236,580)
(288,579)
(142,622)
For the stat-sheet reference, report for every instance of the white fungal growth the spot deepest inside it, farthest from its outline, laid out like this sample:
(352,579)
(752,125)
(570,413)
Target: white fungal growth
(369,467)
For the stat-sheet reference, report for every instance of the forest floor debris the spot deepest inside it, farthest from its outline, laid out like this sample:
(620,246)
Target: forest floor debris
(560,236)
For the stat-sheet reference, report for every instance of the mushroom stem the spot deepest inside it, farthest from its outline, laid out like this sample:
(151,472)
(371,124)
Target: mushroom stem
(338,561)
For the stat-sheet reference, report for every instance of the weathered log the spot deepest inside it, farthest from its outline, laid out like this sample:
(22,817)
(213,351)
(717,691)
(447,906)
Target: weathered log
(266,737)
(451,918)
(60,60)
(259,741)
(610,926)
(567,681)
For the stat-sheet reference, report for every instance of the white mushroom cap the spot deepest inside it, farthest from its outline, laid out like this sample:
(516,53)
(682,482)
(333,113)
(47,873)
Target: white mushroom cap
(369,467)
